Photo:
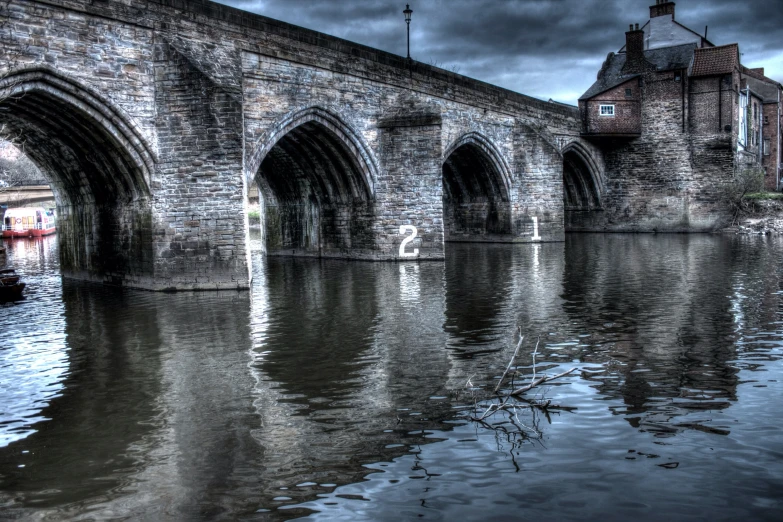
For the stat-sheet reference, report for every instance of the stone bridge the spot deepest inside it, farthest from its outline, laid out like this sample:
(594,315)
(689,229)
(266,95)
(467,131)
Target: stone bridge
(151,118)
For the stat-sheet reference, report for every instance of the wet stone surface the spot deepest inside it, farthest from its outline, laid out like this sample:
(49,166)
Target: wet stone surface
(340,390)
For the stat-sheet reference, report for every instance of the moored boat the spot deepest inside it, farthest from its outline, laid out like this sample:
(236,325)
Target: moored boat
(10,286)
(28,222)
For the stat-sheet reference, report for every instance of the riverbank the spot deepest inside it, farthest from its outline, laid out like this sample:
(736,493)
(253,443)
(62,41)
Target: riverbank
(763,217)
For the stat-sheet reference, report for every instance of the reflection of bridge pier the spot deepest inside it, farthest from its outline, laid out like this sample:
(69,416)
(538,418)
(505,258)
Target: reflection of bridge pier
(343,374)
(144,411)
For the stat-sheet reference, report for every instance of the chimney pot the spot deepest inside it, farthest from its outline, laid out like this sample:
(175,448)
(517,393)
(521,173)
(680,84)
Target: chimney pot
(662,8)
(637,27)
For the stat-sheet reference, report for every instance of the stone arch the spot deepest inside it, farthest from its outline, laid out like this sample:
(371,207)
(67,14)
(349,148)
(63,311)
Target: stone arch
(476,190)
(582,182)
(350,139)
(316,179)
(99,167)
(85,144)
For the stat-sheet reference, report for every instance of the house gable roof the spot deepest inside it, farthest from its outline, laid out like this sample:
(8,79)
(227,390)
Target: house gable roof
(762,86)
(664,59)
(713,61)
(704,41)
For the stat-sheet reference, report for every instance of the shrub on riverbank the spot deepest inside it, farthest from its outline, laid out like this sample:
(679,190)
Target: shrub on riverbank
(762,196)
(254,216)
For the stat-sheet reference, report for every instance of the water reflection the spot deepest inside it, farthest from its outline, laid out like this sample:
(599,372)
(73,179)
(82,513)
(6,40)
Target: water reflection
(237,404)
(657,322)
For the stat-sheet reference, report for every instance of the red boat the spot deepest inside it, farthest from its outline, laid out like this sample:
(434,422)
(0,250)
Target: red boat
(28,222)
(10,286)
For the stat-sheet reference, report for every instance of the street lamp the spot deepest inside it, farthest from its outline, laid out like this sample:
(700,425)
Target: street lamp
(408,12)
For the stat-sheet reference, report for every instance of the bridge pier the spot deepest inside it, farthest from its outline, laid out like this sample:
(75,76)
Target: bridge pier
(199,205)
(409,190)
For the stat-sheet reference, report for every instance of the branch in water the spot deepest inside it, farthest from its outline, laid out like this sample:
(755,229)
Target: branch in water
(540,380)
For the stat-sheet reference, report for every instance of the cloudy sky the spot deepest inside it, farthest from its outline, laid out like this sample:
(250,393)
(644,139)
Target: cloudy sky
(542,48)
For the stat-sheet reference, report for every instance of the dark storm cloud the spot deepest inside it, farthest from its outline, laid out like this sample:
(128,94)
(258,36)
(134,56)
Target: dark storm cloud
(545,48)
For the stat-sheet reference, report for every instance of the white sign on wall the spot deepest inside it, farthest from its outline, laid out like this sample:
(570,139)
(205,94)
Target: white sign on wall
(405,229)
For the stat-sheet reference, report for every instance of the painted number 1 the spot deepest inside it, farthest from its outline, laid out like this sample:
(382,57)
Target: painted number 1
(404,229)
(536,237)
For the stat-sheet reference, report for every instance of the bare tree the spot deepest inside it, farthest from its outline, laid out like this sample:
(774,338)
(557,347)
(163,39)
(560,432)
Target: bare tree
(16,169)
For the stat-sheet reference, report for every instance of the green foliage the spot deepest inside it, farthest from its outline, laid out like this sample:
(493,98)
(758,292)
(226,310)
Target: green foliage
(254,213)
(761,196)
(747,180)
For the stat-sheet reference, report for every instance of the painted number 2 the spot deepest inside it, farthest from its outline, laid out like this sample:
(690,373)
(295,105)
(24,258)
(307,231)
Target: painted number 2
(536,237)
(404,229)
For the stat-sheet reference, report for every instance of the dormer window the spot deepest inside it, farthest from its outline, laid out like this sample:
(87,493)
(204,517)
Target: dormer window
(607,110)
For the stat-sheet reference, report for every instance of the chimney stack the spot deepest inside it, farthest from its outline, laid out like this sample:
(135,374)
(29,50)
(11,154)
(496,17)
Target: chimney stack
(634,50)
(662,8)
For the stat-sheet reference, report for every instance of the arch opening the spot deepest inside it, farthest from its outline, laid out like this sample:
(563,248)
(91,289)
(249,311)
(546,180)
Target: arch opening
(581,190)
(476,202)
(314,194)
(97,168)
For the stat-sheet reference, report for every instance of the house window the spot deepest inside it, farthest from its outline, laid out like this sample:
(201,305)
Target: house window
(607,110)
(766,146)
(628,93)
(677,77)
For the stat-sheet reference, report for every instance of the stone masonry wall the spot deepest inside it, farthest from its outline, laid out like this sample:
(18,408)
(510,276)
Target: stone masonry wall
(203,88)
(277,89)
(200,237)
(108,54)
(670,178)
(412,192)
(648,177)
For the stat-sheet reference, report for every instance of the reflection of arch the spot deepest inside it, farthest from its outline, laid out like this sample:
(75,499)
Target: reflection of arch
(317,179)
(582,184)
(85,144)
(476,189)
(321,119)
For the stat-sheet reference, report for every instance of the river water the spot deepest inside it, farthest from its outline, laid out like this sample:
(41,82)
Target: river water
(343,390)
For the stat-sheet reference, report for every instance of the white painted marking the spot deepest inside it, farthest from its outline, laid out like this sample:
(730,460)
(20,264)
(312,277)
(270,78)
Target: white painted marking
(536,237)
(403,230)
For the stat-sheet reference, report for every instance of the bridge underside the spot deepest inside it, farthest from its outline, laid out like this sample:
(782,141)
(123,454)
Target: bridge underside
(101,195)
(476,205)
(581,193)
(315,200)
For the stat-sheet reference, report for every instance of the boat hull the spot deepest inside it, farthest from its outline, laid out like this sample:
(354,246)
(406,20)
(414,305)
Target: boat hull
(32,232)
(11,292)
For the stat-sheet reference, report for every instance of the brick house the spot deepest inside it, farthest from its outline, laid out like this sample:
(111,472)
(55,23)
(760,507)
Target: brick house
(676,116)
(763,123)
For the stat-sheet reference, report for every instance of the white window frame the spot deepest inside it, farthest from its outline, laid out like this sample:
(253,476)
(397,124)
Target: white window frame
(742,135)
(609,110)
